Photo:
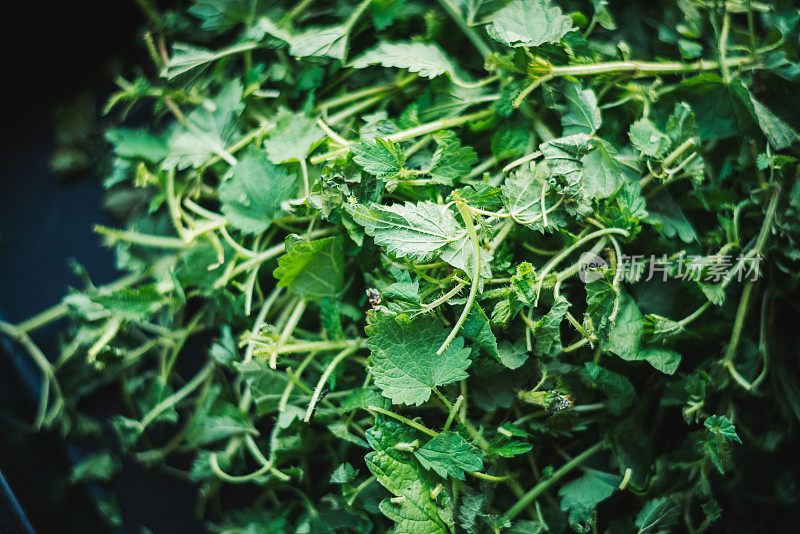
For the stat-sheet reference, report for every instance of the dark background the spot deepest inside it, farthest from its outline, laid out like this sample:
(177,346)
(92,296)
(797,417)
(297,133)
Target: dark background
(55,53)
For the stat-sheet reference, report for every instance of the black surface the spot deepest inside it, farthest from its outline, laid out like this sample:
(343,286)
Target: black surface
(55,51)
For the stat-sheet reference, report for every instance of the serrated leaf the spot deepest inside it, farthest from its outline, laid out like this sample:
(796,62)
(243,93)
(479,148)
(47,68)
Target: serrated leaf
(451,161)
(449,455)
(426,59)
(522,195)
(548,329)
(529,23)
(293,137)
(380,157)
(581,496)
(417,231)
(583,115)
(404,360)
(721,425)
(251,199)
(658,516)
(207,131)
(328,41)
(615,386)
(313,270)
(648,139)
(602,172)
(138,143)
(414,511)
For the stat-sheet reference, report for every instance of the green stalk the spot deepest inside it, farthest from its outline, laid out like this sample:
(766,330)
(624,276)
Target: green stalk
(544,485)
(452,9)
(463,209)
(324,379)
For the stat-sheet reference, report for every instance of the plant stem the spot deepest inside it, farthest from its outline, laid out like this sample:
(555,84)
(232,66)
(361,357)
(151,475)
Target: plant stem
(645,68)
(543,486)
(324,379)
(452,9)
(179,395)
(413,424)
(463,209)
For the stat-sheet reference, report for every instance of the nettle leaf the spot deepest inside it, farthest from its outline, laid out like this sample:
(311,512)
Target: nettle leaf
(417,231)
(779,134)
(510,142)
(186,57)
(220,15)
(581,496)
(328,41)
(603,173)
(382,158)
(658,516)
(312,269)
(139,143)
(251,198)
(293,138)
(137,304)
(648,139)
(625,339)
(449,455)
(583,115)
(548,329)
(451,161)
(615,386)
(414,509)
(208,130)
(601,302)
(722,426)
(563,157)
(522,195)
(404,360)
(665,212)
(426,59)
(529,23)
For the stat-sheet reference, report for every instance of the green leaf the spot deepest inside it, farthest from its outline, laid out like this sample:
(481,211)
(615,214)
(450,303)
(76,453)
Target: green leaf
(548,329)
(131,304)
(293,138)
(138,143)
(449,455)
(615,386)
(563,157)
(581,496)
(425,59)
(779,134)
(601,300)
(207,131)
(417,231)
(382,158)
(583,115)
(404,360)
(602,172)
(343,474)
(529,23)
(522,195)
(626,334)
(722,426)
(101,466)
(251,199)
(648,139)
(510,142)
(413,510)
(313,270)
(663,360)
(328,41)
(451,161)
(658,516)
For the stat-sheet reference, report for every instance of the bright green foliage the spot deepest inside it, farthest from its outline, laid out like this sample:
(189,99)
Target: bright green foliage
(300,200)
(252,196)
(449,454)
(529,23)
(404,360)
(312,269)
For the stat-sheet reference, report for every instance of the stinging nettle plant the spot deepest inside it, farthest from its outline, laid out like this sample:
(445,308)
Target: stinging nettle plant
(374,215)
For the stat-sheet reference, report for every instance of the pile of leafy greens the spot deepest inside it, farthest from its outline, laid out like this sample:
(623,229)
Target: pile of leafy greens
(355,238)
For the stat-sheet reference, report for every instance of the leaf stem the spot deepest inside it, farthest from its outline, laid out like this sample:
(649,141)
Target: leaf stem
(544,485)
(463,209)
(452,9)
(413,424)
(324,379)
